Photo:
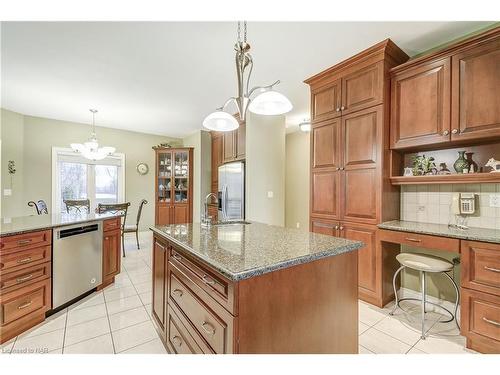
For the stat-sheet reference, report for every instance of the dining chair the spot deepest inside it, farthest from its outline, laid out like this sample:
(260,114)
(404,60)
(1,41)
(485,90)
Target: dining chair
(115,208)
(40,207)
(135,227)
(77,204)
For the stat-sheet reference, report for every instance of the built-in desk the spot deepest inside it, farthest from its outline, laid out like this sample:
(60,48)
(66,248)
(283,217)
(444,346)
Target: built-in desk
(480,278)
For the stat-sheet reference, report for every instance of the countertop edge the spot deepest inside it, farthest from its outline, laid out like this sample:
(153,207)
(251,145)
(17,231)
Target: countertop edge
(354,245)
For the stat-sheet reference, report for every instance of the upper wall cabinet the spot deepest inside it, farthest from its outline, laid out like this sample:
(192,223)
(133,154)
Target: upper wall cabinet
(233,144)
(326,101)
(449,96)
(476,95)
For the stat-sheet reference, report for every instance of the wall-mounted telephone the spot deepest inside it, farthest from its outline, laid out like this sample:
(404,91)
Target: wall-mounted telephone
(464,203)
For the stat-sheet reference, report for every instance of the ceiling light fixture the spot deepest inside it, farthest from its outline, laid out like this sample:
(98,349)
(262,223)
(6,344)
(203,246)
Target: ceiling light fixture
(305,126)
(90,149)
(268,102)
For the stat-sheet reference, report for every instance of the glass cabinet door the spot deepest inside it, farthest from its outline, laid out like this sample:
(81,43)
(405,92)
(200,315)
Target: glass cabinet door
(181,176)
(164,177)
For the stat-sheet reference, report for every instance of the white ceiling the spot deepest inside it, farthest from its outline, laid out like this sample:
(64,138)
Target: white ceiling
(165,77)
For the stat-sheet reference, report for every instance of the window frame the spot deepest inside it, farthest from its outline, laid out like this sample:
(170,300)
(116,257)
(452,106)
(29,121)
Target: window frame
(61,153)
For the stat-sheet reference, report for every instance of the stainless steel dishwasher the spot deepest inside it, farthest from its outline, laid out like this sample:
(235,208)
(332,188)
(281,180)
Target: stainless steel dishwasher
(77,261)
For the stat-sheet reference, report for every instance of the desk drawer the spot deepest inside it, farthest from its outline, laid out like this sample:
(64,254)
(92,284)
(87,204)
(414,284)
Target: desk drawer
(21,259)
(112,224)
(481,318)
(421,240)
(179,341)
(29,240)
(19,278)
(217,287)
(481,266)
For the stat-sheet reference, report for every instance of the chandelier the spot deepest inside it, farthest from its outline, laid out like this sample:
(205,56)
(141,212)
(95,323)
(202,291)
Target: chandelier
(267,102)
(91,149)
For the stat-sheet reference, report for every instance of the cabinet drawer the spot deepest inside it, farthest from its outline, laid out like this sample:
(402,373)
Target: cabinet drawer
(481,317)
(179,341)
(420,240)
(24,301)
(481,266)
(19,278)
(21,259)
(20,242)
(112,224)
(219,289)
(214,329)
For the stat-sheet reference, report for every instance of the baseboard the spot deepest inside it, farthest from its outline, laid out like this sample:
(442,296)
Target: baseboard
(410,293)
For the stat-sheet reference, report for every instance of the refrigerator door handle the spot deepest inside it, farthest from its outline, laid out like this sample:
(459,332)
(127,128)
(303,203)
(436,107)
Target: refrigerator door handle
(224,214)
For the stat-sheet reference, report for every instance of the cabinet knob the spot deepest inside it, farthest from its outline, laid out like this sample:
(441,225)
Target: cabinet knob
(177,340)
(341,227)
(336,227)
(342,108)
(337,109)
(454,131)
(446,132)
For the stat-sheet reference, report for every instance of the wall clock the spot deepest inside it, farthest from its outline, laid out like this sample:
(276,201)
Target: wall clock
(142,168)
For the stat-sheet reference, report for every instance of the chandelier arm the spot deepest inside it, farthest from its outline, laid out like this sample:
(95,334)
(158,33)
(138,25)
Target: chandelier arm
(232,99)
(249,75)
(263,87)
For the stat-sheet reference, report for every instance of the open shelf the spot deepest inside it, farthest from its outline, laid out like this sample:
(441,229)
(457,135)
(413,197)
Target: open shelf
(447,179)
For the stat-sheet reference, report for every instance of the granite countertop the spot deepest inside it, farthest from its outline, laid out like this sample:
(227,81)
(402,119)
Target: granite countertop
(23,224)
(472,234)
(240,251)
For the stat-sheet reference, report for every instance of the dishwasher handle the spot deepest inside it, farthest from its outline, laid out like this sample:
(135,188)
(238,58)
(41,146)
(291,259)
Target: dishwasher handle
(77,230)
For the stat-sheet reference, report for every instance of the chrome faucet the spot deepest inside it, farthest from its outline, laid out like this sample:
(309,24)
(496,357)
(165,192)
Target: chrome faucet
(206,220)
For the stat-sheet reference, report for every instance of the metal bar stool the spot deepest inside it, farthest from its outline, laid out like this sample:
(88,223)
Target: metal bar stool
(424,264)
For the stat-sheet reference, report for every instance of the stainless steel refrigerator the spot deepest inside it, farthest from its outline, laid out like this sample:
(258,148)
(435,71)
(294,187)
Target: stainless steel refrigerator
(231,191)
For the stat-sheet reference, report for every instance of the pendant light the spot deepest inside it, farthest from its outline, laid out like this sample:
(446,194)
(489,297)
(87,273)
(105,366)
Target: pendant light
(267,102)
(305,126)
(90,149)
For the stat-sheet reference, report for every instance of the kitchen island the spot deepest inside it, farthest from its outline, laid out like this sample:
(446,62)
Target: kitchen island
(254,288)
(30,269)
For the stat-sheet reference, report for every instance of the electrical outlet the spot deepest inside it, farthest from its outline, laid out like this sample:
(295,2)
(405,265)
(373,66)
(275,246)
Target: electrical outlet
(270,194)
(494,200)
(421,208)
(298,225)
(7,192)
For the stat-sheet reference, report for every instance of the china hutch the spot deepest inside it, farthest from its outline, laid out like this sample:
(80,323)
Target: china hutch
(173,185)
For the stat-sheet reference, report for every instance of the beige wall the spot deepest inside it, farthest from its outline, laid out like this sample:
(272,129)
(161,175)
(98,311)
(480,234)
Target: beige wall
(297,180)
(39,135)
(265,168)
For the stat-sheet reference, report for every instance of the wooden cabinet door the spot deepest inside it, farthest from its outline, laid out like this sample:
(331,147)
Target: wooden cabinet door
(475,96)
(164,214)
(325,192)
(361,136)
(325,144)
(216,160)
(363,88)
(330,228)
(180,214)
(241,141)
(367,264)
(326,102)
(420,105)
(228,146)
(111,257)
(159,283)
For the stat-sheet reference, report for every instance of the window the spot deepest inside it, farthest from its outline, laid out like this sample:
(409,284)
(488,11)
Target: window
(74,177)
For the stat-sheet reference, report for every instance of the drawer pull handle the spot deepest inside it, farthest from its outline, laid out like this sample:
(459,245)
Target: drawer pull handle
(412,239)
(24,242)
(25,278)
(24,260)
(24,305)
(208,280)
(208,328)
(177,340)
(177,257)
(178,292)
(491,322)
(491,269)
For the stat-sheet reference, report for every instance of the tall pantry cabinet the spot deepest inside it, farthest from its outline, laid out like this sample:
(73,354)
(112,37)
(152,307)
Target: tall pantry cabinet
(350,188)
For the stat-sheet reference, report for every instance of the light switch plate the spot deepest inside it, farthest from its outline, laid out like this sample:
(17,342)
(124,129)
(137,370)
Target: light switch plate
(298,225)
(7,192)
(494,200)
(270,194)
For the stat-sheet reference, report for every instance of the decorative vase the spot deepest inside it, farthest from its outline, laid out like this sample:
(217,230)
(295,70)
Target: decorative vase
(461,163)
(471,162)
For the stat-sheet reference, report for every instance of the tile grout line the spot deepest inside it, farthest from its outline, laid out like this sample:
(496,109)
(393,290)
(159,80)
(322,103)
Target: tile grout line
(109,323)
(65,325)
(135,346)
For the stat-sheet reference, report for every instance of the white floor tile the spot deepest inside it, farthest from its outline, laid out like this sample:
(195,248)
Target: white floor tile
(370,315)
(85,314)
(140,271)
(146,298)
(144,287)
(6,347)
(362,327)
(149,309)
(98,345)
(123,304)
(56,351)
(380,343)
(363,350)
(92,300)
(119,293)
(415,351)
(401,329)
(128,318)
(147,277)
(132,336)
(443,338)
(52,323)
(87,330)
(39,344)
(151,347)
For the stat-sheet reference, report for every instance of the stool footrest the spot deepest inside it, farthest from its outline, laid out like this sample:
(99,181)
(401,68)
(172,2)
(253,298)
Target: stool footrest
(430,303)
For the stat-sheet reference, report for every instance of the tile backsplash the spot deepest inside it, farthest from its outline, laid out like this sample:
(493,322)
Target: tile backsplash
(432,204)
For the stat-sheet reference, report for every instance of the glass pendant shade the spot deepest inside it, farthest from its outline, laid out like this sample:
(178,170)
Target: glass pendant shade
(220,121)
(270,103)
